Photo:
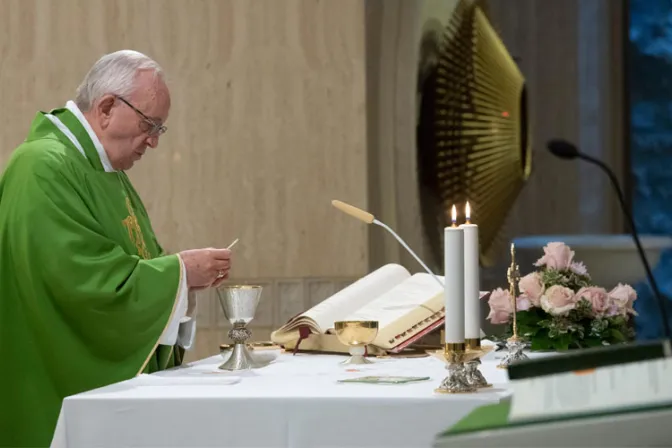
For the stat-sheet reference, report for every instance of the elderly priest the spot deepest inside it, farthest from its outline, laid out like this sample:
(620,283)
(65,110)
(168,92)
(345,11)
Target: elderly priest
(87,295)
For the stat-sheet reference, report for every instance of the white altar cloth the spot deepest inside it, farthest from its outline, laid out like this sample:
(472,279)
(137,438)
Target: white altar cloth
(294,402)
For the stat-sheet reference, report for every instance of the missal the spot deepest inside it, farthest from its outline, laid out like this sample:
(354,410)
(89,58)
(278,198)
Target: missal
(407,307)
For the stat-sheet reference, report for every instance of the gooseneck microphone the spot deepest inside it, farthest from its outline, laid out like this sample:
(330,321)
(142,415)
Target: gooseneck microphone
(368,218)
(566,150)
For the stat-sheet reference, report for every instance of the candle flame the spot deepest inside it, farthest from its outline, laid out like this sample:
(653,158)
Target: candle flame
(467,212)
(454,215)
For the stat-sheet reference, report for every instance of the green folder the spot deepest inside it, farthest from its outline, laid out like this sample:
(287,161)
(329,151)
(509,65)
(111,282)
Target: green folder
(490,416)
(496,416)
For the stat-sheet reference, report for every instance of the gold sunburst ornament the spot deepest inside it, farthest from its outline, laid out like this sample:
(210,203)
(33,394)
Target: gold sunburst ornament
(476,145)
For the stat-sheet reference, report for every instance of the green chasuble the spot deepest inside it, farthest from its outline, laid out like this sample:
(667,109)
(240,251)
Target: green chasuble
(85,289)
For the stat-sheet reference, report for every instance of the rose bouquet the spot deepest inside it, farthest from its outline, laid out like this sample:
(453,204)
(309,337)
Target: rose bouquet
(559,308)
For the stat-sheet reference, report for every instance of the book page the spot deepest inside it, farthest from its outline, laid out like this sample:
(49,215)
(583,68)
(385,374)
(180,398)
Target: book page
(621,386)
(400,300)
(356,295)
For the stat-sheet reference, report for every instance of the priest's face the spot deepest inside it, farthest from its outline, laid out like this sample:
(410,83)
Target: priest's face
(129,126)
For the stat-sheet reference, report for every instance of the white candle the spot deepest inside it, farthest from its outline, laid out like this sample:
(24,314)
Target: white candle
(453,249)
(472,305)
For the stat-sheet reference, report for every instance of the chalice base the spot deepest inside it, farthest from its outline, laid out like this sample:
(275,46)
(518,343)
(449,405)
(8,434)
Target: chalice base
(240,359)
(356,359)
(357,356)
(515,353)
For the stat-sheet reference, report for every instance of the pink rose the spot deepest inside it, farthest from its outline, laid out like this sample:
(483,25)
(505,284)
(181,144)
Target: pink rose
(614,310)
(621,300)
(500,306)
(597,297)
(523,303)
(558,300)
(578,268)
(556,256)
(532,287)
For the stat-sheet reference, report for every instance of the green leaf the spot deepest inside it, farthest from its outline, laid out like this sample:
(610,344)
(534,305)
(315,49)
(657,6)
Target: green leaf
(564,341)
(529,331)
(540,344)
(592,342)
(527,318)
(616,321)
(551,277)
(617,335)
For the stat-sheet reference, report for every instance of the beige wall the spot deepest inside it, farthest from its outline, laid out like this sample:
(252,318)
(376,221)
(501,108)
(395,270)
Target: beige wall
(267,126)
(394,29)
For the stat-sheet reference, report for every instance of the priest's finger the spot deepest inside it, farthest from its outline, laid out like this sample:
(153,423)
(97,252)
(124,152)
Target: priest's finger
(220,254)
(221,265)
(220,280)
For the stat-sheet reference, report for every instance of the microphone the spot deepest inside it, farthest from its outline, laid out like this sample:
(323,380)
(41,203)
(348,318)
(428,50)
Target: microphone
(368,218)
(566,150)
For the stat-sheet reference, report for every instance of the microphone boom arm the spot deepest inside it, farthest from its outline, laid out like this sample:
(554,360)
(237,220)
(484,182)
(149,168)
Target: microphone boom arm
(403,243)
(631,223)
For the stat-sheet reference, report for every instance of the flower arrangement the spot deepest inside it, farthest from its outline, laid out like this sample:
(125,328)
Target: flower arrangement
(559,308)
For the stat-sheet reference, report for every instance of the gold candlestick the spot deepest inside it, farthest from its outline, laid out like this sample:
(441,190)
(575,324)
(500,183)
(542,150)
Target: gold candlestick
(514,344)
(513,276)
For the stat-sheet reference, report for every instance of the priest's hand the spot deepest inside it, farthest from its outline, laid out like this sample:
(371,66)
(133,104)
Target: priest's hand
(206,267)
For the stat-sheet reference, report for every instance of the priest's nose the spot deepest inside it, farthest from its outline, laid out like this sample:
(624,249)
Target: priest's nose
(153,141)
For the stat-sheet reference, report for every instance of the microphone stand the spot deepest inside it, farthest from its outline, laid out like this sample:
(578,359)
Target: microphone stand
(635,236)
(408,249)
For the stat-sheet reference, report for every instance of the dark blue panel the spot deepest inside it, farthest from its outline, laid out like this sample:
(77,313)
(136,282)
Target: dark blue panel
(650,97)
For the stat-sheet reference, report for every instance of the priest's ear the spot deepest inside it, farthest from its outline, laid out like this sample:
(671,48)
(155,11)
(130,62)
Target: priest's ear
(104,110)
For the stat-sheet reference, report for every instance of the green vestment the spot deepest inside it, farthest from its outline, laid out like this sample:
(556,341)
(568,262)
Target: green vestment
(85,289)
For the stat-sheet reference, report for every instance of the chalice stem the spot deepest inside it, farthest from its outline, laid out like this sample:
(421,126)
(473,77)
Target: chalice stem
(240,358)
(357,356)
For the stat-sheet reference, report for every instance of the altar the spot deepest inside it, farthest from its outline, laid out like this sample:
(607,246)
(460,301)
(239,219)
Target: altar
(296,401)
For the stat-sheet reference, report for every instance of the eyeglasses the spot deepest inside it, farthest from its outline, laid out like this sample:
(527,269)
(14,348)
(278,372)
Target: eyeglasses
(154,127)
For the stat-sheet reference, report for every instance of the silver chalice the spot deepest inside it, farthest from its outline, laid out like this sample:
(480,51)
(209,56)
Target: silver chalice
(239,303)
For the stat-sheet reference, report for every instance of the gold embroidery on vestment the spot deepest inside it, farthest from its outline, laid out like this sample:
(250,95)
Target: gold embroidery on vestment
(134,231)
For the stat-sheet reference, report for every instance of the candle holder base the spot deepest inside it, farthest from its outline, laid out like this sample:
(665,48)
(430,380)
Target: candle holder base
(473,374)
(515,347)
(457,381)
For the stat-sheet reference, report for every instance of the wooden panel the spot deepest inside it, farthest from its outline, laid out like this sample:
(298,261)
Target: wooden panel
(319,290)
(291,300)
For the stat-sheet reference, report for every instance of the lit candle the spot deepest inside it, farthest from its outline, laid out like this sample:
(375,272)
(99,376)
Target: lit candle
(472,305)
(453,248)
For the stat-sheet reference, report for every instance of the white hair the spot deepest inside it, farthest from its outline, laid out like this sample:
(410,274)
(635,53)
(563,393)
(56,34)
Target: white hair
(114,74)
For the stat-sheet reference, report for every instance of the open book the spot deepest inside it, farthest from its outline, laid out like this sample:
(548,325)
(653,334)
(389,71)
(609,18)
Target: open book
(406,307)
